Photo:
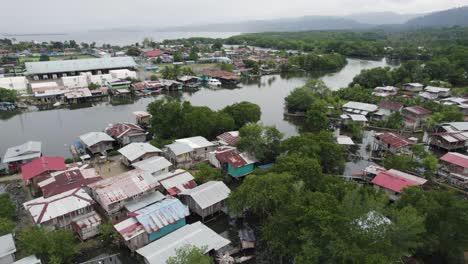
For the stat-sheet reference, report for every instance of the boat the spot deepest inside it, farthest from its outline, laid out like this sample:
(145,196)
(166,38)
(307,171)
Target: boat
(214,82)
(57,104)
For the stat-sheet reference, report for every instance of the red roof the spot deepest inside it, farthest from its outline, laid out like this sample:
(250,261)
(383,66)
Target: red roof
(456,158)
(66,181)
(154,53)
(418,110)
(395,106)
(231,137)
(231,156)
(396,180)
(41,165)
(119,130)
(393,139)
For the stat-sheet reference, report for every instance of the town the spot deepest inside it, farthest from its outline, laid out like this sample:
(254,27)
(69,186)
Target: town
(374,171)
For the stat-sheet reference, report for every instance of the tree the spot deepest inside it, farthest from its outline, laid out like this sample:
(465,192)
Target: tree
(93,86)
(243,113)
(7,95)
(6,226)
(7,206)
(217,45)
(261,141)
(153,77)
(317,119)
(133,51)
(399,162)
(44,57)
(57,246)
(193,55)
(178,57)
(430,164)
(304,169)
(374,77)
(226,67)
(108,234)
(205,173)
(189,255)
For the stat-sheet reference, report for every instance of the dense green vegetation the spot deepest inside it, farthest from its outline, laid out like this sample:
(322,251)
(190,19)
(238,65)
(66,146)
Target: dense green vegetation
(189,255)
(172,119)
(7,214)
(7,95)
(315,63)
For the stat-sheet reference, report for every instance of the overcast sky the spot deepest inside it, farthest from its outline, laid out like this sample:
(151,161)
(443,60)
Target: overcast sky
(27,16)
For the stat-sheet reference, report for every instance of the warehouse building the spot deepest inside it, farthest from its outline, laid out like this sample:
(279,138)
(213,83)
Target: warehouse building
(44,70)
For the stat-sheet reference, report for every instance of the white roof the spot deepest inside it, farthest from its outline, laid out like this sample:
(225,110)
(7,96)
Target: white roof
(7,245)
(92,138)
(129,228)
(176,179)
(144,201)
(153,164)
(196,234)
(358,118)
(81,65)
(135,150)
(433,89)
(208,193)
(44,209)
(361,106)
(43,85)
(28,260)
(19,83)
(26,151)
(179,148)
(196,142)
(414,84)
(458,126)
(344,140)
(386,88)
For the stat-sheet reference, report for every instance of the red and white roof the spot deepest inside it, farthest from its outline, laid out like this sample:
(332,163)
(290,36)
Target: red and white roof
(396,181)
(394,140)
(229,138)
(41,165)
(456,159)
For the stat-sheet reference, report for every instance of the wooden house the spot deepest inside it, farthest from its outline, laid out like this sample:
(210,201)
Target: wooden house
(206,199)
(126,133)
(135,152)
(415,116)
(97,142)
(232,162)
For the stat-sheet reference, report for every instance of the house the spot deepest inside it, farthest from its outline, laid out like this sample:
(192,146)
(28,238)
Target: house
(59,211)
(386,109)
(123,74)
(392,143)
(385,91)
(179,154)
(393,182)
(78,95)
(63,181)
(87,226)
(47,92)
(152,222)
(18,155)
(449,141)
(196,234)
(74,82)
(358,108)
(40,169)
(154,53)
(231,161)
(7,249)
(104,259)
(413,87)
(142,118)
(188,80)
(154,166)
(345,141)
(452,127)
(461,103)
(145,201)
(201,147)
(177,181)
(126,133)
(170,85)
(437,91)
(97,142)
(18,84)
(415,116)
(229,138)
(454,167)
(357,119)
(135,152)
(206,199)
(223,76)
(115,192)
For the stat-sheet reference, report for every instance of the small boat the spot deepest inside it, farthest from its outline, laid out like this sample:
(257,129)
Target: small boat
(57,104)
(214,82)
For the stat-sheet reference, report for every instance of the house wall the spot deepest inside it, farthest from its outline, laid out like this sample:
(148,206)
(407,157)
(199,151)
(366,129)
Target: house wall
(194,207)
(100,147)
(137,242)
(125,140)
(145,156)
(166,230)
(202,153)
(455,168)
(240,171)
(64,221)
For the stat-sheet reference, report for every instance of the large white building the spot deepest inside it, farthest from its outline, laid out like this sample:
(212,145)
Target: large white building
(18,84)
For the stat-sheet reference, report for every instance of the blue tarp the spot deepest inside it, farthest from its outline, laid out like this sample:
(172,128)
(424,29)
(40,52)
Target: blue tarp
(266,166)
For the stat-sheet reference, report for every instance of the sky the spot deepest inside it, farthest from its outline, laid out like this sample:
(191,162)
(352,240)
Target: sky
(44,16)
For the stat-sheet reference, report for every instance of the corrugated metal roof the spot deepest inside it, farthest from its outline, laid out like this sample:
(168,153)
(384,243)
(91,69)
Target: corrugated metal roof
(418,110)
(129,228)
(344,140)
(26,151)
(134,151)
(196,234)
(456,158)
(179,148)
(144,201)
(153,164)
(7,245)
(393,139)
(229,138)
(123,186)
(458,126)
(166,212)
(196,142)
(361,106)
(44,209)
(119,130)
(177,181)
(92,138)
(41,165)
(91,219)
(209,193)
(80,65)
(73,178)
(396,180)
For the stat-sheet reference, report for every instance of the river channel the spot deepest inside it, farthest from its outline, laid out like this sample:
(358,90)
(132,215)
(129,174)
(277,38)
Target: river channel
(58,128)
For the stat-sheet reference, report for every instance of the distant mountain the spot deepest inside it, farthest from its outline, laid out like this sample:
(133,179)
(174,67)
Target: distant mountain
(447,18)
(382,18)
(277,25)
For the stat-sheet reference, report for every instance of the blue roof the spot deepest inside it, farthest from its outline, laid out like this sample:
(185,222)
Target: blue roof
(156,216)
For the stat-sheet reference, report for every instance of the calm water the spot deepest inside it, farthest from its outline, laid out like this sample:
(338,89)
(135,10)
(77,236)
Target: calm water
(58,128)
(119,37)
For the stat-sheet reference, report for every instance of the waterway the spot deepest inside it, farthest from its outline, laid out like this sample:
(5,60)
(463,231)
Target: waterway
(58,128)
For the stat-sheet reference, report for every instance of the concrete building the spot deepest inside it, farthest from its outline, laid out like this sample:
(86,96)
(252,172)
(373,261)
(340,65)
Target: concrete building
(18,84)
